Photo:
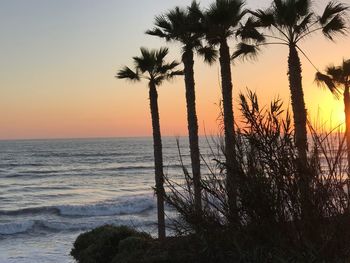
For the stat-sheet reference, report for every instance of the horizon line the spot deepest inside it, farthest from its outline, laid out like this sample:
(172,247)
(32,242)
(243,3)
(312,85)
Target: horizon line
(95,137)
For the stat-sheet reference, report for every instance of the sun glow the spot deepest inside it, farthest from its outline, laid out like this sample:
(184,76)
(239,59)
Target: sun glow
(328,114)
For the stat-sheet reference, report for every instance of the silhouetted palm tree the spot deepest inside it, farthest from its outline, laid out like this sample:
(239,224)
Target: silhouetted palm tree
(152,67)
(184,26)
(337,79)
(287,22)
(221,22)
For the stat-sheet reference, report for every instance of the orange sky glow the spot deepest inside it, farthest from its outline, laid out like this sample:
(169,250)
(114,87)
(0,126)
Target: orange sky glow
(57,81)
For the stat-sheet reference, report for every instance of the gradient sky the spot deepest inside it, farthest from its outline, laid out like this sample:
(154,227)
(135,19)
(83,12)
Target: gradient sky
(58,59)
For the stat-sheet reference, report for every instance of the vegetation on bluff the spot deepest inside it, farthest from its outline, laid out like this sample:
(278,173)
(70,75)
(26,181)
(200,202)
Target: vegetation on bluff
(270,226)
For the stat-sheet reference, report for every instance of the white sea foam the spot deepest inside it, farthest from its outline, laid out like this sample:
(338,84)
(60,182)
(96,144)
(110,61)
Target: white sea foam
(132,205)
(86,225)
(60,215)
(121,206)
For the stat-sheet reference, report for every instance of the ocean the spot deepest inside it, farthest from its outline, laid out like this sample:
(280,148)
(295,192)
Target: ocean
(53,190)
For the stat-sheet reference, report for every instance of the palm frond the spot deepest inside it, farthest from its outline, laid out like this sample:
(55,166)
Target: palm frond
(177,17)
(186,25)
(303,7)
(180,24)
(332,8)
(264,18)
(158,80)
(278,4)
(162,22)
(127,73)
(286,14)
(157,32)
(346,69)
(336,73)
(303,26)
(194,11)
(336,25)
(195,18)
(323,80)
(248,31)
(226,13)
(165,68)
(209,53)
(175,73)
(289,13)
(163,28)
(146,61)
(160,54)
(244,50)
(213,33)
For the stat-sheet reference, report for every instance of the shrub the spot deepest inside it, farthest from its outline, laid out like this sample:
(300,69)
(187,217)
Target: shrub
(111,244)
(172,250)
(131,249)
(101,244)
(133,243)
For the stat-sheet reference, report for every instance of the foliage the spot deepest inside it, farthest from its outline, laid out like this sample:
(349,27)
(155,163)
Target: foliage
(270,228)
(271,225)
(101,244)
(111,244)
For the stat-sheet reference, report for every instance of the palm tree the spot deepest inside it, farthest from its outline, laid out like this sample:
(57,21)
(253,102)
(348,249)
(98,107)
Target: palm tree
(152,67)
(184,26)
(337,79)
(221,22)
(288,22)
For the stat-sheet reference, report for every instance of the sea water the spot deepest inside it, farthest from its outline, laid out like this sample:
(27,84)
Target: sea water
(53,190)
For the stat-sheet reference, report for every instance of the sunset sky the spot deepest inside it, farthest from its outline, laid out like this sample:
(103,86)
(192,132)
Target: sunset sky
(58,59)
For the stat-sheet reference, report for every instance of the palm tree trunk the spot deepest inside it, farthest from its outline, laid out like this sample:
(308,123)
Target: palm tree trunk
(298,103)
(193,127)
(231,180)
(347,122)
(158,159)
(347,131)
(300,118)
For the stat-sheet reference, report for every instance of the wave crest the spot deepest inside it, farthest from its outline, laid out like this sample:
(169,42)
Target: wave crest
(121,206)
(16,227)
(130,206)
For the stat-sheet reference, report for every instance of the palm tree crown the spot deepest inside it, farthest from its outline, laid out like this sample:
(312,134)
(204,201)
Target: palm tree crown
(184,26)
(290,21)
(335,77)
(151,66)
(222,19)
